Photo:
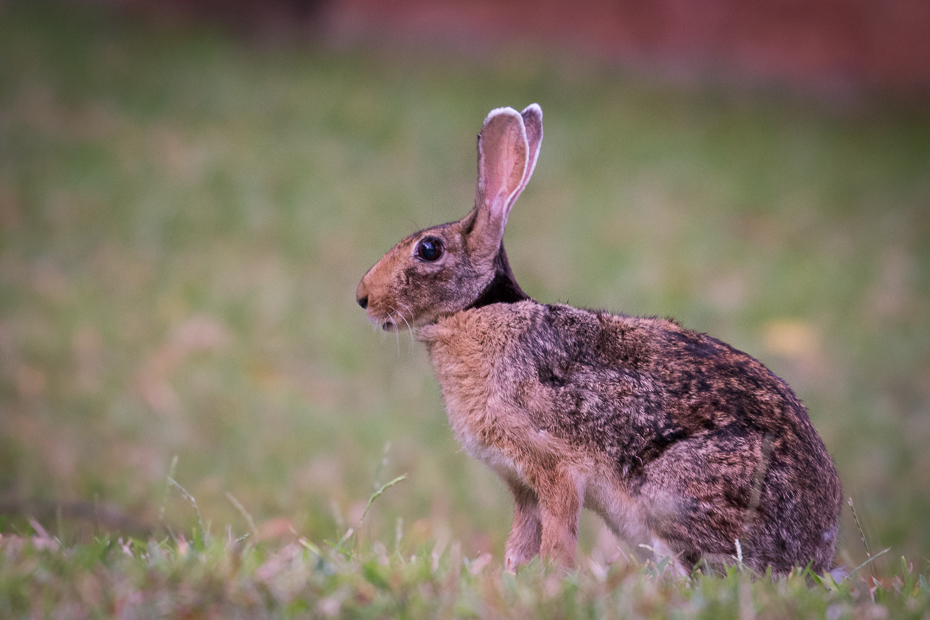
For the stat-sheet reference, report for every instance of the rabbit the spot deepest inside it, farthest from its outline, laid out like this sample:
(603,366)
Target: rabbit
(682,444)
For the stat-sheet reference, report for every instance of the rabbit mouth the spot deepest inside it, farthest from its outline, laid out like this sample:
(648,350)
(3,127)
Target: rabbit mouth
(395,321)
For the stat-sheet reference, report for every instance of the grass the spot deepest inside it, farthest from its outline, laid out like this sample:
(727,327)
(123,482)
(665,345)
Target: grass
(184,217)
(132,579)
(230,577)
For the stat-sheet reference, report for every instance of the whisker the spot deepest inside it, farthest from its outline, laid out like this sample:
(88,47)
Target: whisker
(409,326)
(396,335)
(409,329)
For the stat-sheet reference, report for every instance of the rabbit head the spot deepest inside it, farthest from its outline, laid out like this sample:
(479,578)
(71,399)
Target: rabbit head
(448,268)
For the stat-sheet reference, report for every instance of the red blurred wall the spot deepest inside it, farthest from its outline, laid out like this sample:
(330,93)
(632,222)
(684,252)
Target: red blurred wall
(879,45)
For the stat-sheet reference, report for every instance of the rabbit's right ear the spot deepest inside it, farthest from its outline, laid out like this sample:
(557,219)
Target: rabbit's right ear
(508,147)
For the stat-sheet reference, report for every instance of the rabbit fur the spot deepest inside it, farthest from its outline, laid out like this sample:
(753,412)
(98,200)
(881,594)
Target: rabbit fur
(677,440)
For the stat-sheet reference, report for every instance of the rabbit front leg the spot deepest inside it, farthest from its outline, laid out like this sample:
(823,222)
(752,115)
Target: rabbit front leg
(560,509)
(525,538)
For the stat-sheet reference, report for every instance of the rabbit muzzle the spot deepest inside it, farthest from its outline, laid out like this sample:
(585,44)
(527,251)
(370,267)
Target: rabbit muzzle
(383,305)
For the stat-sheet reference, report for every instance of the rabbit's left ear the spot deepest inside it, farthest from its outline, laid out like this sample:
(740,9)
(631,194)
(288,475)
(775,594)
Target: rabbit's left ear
(508,148)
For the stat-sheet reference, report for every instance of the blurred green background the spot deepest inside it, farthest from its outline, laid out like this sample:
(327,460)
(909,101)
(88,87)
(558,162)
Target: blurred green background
(185,214)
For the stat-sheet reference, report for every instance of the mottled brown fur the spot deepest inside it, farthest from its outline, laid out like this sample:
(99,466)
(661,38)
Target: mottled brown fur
(676,439)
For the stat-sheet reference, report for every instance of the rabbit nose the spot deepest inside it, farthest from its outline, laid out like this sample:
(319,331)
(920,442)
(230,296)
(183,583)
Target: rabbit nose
(363,302)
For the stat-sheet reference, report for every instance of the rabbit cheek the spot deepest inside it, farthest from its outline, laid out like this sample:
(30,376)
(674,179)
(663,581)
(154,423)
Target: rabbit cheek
(421,290)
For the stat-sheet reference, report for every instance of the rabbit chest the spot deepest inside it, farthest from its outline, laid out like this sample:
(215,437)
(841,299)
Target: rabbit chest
(471,354)
(476,359)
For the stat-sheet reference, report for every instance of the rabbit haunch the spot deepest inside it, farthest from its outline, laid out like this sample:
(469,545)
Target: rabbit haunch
(676,439)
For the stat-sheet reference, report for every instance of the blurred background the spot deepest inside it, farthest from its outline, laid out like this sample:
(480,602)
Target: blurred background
(191,190)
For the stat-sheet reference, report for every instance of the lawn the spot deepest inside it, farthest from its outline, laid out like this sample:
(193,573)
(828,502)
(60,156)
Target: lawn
(184,217)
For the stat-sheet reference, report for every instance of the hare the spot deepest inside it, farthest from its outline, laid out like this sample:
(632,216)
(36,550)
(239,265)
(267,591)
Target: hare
(681,443)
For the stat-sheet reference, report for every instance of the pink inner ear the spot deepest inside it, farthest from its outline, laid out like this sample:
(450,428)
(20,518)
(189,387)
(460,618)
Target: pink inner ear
(504,149)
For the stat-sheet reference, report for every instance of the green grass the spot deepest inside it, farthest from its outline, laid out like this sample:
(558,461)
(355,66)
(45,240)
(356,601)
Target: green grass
(184,217)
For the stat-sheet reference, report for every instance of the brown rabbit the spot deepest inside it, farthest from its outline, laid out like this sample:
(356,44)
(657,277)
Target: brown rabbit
(677,440)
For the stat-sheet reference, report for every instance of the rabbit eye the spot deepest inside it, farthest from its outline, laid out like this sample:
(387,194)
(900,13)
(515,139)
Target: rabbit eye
(429,248)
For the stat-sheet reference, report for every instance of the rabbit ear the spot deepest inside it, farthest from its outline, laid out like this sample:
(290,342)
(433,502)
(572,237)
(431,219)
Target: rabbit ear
(508,147)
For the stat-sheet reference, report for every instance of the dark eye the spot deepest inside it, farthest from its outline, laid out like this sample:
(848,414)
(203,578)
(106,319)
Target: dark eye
(429,248)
